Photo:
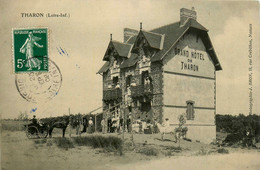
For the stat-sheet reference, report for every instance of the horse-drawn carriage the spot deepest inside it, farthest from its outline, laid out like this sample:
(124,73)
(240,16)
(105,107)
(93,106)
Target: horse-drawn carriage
(35,130)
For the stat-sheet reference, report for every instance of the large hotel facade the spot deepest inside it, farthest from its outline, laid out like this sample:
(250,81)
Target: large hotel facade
(162,73)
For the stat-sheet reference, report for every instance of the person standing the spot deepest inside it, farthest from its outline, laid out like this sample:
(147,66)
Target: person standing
(109,124)
(128,123)
(166,125)
(90,125)
(84,123)
(79,124)
(121,124)
(103,125)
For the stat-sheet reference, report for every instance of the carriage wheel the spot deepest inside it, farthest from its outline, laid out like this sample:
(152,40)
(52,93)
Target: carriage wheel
(43,133)
(32,132)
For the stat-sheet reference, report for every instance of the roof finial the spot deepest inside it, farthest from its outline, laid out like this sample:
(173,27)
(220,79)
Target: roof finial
(110,37)
(140,25)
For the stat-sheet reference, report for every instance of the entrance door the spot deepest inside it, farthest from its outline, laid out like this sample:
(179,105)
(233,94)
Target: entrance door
(146,111)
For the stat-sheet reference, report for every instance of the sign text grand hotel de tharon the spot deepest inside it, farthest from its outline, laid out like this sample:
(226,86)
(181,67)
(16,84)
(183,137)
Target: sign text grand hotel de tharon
(190,54)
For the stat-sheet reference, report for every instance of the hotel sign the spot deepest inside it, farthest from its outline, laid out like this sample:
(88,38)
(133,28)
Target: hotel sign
(191,55)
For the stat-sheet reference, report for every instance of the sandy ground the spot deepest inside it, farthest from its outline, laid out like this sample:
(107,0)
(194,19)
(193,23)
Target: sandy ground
(18,152)
(232,161)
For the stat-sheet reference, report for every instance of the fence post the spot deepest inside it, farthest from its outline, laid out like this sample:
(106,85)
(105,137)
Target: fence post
(95,123)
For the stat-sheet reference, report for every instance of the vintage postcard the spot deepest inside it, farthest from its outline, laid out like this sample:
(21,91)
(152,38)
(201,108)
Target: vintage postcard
(107,84)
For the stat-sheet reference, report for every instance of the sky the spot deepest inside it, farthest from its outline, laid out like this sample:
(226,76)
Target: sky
(86,34)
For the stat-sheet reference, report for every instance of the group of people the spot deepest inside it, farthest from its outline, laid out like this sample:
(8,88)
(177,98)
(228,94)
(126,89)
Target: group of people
(116,125)
(82,124)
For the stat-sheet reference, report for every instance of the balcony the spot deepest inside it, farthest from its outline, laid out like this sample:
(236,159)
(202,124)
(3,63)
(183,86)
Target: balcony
(115,69)
(112,94)
(141,91)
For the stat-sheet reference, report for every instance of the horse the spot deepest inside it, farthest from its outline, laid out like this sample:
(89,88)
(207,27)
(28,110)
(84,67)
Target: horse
(166,130)
(59,123)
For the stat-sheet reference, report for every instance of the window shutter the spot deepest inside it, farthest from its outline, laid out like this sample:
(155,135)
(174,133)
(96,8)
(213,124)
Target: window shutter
(190,110)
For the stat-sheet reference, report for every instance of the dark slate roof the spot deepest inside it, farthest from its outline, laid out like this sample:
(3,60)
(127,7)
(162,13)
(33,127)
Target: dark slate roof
(172,33)
(153,39)
(121,48)
(131,61)
(104,68)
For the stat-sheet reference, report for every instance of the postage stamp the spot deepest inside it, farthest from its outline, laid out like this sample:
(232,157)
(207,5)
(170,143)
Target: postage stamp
(38,87)
(30,50)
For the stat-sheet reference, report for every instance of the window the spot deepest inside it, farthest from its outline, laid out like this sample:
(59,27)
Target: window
(145,74)
(190,110)
(115,80)
(130,108)
(128,80)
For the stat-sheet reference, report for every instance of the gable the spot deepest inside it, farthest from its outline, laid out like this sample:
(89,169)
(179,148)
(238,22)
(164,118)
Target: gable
(110,51)
(144,38)
(117,49)
(189,56)
(173,32)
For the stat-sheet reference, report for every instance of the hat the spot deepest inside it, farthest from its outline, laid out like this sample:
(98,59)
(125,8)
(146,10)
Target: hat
(166,119)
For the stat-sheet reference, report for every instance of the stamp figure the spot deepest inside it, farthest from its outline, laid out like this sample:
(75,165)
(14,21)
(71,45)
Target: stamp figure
(30,50)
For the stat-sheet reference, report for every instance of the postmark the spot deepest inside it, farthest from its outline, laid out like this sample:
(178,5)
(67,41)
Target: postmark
(30,50)
(38,87)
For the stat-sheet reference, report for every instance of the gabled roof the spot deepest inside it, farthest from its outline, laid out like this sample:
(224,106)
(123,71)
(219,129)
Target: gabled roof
(169,36)
(174,32)
(104,68)
(122,49)
(153,39)
(131,61)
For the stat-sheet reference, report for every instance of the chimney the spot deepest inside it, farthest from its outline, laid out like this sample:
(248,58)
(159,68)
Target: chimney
(128,33)
(185,14)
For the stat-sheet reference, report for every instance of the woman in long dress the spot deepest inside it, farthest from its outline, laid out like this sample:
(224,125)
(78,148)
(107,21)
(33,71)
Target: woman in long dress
(27,49)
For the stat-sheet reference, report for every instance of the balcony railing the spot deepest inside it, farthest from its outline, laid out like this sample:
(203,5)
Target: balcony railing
(112,94)
(141,90)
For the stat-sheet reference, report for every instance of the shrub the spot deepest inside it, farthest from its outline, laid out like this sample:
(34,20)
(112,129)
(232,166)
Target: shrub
(149,151)
(49,143)
(203,151)
(223,150)
(109,143)
(64,143)
(241,127)
(168,153)
(174,148)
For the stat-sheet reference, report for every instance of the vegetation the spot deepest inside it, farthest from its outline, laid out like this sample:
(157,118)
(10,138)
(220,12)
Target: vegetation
(109,143)
(241,129)
(23,116)
(223,150)
(64,143)
(12,125)
(149,151)
(181,130)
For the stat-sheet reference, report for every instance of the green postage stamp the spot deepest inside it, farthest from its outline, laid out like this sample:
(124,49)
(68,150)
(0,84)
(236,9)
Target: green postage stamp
(30,50)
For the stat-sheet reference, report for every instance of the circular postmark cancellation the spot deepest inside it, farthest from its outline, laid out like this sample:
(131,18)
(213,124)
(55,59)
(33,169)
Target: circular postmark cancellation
(39,86)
